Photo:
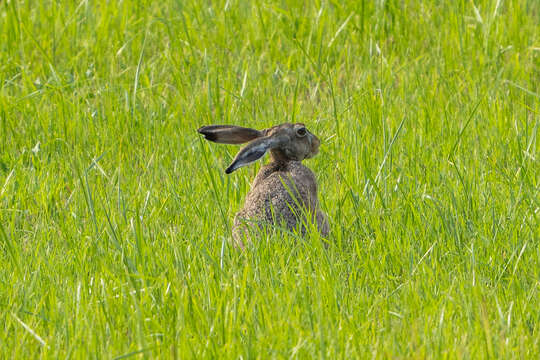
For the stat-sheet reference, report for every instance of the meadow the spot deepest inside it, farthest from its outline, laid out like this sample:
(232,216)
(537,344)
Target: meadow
(115,216)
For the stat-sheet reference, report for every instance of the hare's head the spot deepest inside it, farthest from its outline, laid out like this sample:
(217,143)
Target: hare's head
(286,142)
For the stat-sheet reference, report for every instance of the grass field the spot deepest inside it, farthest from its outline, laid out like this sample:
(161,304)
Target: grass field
(115,215)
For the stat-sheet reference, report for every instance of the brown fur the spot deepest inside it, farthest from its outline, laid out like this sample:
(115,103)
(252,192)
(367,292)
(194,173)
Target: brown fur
(284,192)
(292,197)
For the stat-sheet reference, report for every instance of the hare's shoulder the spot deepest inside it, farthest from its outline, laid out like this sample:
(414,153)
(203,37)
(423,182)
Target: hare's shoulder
(294,170)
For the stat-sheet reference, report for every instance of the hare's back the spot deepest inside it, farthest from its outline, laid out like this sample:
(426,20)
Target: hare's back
(276,176)
(282,186)
(281,193)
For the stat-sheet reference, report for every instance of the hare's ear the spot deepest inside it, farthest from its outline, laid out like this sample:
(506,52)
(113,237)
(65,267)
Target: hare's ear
(254,151)
(229,134)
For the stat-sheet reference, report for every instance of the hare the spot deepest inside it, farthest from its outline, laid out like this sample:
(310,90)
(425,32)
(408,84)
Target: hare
(284,191)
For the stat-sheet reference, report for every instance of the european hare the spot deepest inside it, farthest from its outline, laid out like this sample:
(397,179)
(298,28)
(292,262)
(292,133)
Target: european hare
(284,192)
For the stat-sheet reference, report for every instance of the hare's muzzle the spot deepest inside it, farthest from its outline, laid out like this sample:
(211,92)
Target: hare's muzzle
(315,143)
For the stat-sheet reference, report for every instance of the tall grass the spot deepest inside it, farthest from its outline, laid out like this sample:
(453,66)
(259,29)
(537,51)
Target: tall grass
(115,216)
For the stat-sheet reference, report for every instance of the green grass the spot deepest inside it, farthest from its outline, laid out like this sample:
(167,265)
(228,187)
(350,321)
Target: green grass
(115,216)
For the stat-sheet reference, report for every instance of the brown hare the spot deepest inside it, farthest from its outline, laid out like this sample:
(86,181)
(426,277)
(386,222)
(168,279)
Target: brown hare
(284,191)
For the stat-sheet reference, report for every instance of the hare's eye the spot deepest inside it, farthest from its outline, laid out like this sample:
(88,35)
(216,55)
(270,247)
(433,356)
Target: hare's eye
(301,132)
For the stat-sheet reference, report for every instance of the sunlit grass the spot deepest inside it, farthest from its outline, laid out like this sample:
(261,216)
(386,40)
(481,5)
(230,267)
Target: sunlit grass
(115,216)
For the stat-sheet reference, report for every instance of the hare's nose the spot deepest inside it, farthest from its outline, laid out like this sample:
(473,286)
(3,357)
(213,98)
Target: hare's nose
(313,141)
